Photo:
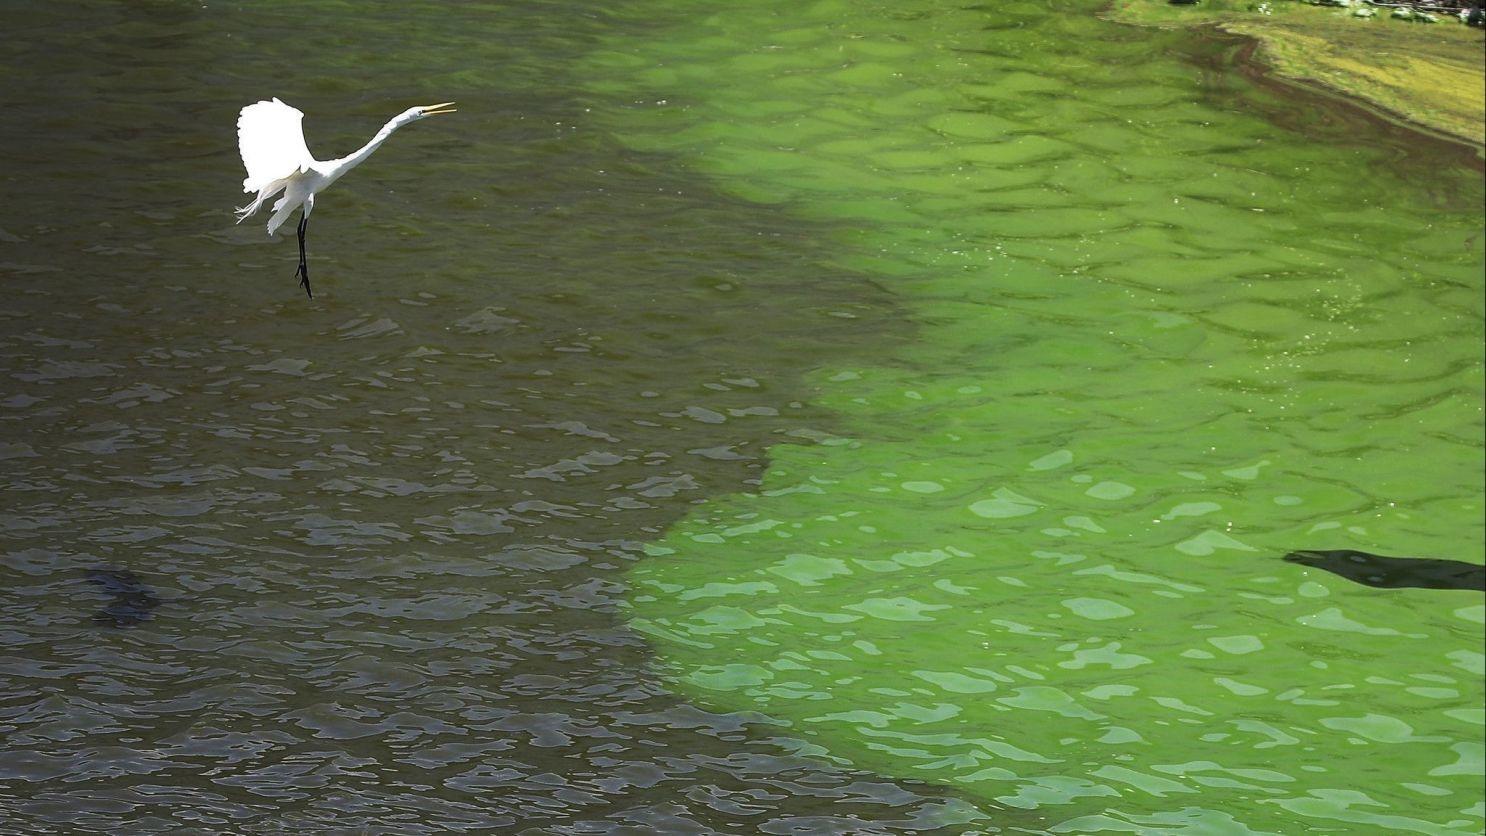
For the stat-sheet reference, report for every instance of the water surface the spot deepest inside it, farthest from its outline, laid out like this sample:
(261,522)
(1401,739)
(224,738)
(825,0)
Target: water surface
(1170,328)
(386,529)
(936,388)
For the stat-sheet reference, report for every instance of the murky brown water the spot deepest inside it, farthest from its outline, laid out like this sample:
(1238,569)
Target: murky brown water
(387,528)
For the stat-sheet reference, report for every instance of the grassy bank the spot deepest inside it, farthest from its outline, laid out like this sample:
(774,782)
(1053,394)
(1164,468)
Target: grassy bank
(1429,74)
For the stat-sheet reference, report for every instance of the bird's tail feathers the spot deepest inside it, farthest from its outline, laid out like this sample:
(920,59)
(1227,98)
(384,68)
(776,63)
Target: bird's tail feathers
(282,209)
(268,191)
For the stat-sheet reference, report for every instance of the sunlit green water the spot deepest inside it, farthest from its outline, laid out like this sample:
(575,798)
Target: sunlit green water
(1160,343)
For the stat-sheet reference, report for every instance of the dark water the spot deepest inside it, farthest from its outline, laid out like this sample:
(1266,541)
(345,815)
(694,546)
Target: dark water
(387,535)
(388,527)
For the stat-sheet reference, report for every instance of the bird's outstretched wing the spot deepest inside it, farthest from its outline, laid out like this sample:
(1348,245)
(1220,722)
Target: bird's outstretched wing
(270,136)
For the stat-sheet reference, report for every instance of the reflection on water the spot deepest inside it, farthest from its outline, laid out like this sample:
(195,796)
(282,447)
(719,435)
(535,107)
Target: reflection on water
(1395,572)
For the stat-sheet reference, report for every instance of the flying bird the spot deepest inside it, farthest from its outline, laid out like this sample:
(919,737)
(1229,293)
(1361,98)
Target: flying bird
(270,136)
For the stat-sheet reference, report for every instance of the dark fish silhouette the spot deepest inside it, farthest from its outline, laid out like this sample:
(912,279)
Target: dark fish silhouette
(1395,572)
(132,598)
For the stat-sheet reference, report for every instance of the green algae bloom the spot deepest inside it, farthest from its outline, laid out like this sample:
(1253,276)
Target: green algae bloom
(1159,342)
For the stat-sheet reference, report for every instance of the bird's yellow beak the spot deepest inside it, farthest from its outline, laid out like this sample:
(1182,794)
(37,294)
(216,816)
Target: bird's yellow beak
(430,110)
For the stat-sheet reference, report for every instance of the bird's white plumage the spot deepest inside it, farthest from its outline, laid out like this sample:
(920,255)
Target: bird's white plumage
(270,136)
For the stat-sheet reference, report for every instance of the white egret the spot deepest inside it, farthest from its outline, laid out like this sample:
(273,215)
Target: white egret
(270,136)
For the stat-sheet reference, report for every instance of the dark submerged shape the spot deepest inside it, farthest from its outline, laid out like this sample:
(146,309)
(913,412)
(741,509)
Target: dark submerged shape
(1395,572)
(132,598)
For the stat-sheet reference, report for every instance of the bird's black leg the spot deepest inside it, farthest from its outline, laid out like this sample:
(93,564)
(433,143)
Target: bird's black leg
(303,273)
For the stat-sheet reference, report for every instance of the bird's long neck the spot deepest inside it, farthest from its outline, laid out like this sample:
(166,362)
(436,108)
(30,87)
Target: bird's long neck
(337,168)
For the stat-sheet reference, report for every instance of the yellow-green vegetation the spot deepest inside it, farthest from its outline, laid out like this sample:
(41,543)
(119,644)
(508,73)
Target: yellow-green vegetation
(1429,74)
